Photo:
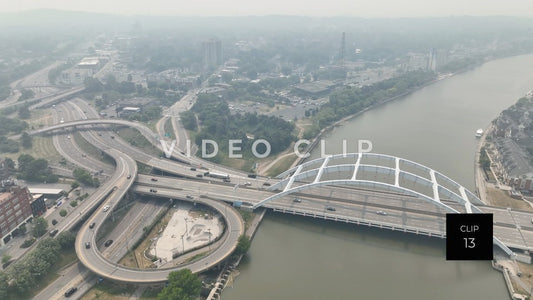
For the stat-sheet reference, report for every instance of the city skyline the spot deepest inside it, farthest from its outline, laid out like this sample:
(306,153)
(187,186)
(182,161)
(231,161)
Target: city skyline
(365,8)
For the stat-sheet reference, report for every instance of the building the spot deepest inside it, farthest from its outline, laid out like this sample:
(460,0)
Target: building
(38,205)
(212,50)
(15,209)
(516,168)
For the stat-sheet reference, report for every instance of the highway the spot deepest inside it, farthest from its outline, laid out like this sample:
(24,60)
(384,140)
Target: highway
(518,239)
(403,213)
(96,262)
(384,210)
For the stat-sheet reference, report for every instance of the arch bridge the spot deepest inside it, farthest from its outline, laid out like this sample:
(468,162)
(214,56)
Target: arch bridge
(379,172)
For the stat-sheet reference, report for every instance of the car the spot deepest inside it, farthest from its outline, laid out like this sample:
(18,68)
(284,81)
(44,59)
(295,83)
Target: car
(70,291)
(92,225)
(153,190)
(106,208)
(129,176)
(193,169)
(199,175)
(226,180)
(266,184)
(87,245)
(330,208)
(380,212)
(252,175)
(153,179)
(108,243)
(59,203)
(297,200)
(53,232)
(248,183)
(189,197)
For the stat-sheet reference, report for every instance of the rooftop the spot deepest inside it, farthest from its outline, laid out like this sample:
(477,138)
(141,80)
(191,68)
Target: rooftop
(44,191)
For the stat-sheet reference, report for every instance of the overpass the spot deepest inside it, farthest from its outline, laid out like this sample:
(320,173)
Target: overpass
(93,259)
(396,186)
(379,172)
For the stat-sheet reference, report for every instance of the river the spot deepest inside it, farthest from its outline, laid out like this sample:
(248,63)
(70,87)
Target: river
(299,258)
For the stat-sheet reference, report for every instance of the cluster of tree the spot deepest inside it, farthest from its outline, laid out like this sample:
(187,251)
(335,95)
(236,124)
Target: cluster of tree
(24,274)
(24,112)
(26,94)
(188,119)
(36,170)
(9,125)
(85,177)
(261,92)
(54,73)
(26,140)
(182,285)
(218,124)
(146,114)
(8,145)
(113,91)
(484,160)
(352,100)
(243,245)
(40,226)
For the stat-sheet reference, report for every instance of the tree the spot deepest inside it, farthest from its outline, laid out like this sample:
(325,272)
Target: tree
(75,185)
(243,245)
(40,225)
(9,163)
(6,258)
(26,140)
(66,239)
(54,222)
(22,229)
(182,285)
(73,203)
(24,112)
(63,212)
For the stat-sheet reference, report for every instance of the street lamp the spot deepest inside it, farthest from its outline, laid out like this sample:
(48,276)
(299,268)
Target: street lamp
(209,230)
(182,244)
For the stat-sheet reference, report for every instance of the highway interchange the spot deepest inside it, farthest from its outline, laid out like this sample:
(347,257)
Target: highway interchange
(402,213)
(406,214)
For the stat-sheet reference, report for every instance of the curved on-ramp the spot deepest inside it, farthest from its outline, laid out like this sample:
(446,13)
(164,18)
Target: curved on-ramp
(93,259)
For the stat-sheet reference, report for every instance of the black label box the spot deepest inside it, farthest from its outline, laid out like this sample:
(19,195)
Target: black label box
(469,237)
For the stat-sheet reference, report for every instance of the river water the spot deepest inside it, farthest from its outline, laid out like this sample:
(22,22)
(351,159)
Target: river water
(300,258)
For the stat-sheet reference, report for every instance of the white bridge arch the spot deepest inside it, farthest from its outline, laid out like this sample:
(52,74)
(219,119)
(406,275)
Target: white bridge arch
(398,174)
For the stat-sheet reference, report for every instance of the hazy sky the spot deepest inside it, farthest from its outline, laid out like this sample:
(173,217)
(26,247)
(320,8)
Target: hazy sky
(362,8)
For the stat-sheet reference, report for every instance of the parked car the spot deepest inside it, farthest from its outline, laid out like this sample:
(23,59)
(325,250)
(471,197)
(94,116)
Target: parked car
(108,243)
(92,225)
(153,179)
(330,208)
(87,245)
(380,212)
(106,208)
(53,232)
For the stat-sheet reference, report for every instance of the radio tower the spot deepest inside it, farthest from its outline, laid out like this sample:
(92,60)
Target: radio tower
(343,46)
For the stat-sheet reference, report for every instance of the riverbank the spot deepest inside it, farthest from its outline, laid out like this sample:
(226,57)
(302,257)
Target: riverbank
(340,122)
(229,272)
